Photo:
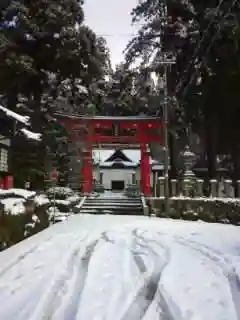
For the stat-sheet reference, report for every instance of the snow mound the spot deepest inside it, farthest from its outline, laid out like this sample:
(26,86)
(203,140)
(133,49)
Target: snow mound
(22,193)
(13,200)
(14,206)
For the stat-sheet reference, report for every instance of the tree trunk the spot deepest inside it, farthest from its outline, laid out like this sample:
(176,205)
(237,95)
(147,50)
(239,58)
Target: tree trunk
(235,155)
(172,154)
(39,148)
(13,161)
(210,143)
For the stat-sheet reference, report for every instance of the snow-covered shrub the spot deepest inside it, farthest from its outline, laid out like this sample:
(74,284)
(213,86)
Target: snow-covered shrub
(60,193)
(218,210)
(16,193)
(24,213)
(63,202)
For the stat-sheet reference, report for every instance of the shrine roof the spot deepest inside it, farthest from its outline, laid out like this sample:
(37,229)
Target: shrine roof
(101,156)
(112,118)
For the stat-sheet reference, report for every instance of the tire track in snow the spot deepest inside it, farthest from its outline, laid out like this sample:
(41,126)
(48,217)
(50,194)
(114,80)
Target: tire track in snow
(70,307)
(168,309)
(58,287)
(221,262)
(148,289)
(71,299)
(21,257)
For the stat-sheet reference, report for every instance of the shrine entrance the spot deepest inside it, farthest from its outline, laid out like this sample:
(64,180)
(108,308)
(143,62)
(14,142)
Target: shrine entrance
(105,132)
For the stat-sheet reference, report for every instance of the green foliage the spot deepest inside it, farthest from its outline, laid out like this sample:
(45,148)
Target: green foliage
(47,57)
(204,37)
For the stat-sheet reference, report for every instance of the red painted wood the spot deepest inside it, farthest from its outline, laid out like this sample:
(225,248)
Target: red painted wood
(141,137)
(121,139)
(145,170)
(8,182)
(145,125)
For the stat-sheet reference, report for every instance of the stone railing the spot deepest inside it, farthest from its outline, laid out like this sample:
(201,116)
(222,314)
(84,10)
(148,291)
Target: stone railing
(195,188)
(188,201)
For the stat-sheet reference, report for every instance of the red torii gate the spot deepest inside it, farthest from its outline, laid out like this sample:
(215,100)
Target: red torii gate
(92,131)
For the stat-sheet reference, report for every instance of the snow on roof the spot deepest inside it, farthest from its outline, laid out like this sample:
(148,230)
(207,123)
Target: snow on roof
(100,155)
(16,116)
(124,163)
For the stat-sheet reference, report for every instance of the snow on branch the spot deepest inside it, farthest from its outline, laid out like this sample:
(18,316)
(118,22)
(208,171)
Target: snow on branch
(24,120)
(16,116)
(31,135)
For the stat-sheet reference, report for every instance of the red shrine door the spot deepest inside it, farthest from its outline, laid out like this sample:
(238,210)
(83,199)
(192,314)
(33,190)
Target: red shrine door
(127,131)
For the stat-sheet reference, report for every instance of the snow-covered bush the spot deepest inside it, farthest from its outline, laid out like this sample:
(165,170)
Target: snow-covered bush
(63,202)
(217,210)
(24,213)
(60,193)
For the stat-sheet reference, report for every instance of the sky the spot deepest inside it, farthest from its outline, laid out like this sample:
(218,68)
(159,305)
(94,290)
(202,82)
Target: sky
(111,19)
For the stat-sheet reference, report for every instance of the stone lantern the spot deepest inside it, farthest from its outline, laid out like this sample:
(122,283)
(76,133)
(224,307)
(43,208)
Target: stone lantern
(189,178)
(189,159)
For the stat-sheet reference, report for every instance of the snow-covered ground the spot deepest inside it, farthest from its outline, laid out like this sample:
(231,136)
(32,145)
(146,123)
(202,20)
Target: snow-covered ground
(123,268)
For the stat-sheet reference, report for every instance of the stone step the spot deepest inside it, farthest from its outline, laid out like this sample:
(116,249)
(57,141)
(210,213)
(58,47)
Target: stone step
(110,207)
(114,200)
(117,212)
(113,203)
(117,200)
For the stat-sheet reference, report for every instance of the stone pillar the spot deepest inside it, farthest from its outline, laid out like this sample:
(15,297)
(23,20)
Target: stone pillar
(161,181)
(200,188)
(214,188)
(174,187)
(238,188)
(155,180)
(227,187)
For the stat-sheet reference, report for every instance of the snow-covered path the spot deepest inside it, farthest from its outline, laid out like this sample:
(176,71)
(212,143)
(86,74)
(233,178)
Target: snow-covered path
(123,268)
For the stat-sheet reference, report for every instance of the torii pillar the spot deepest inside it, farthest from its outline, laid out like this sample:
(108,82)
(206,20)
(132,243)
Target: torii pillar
(145,171)
(87,166)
